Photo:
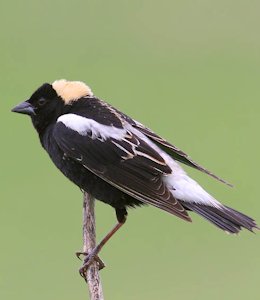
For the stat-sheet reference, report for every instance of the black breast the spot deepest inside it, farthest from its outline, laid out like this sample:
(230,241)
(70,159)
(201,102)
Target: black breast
(83,178)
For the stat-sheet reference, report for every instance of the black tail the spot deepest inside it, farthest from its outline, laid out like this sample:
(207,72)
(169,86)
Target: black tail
(224,217)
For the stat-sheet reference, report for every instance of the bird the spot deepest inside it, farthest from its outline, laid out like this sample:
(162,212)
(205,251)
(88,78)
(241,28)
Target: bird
(118,160)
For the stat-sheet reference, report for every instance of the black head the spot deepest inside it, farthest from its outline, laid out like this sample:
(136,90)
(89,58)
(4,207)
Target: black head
(50,101)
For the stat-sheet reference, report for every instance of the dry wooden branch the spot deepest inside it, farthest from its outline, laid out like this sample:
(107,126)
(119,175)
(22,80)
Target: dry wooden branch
(91,276)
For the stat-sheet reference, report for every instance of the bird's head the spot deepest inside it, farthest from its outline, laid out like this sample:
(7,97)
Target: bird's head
(50,101)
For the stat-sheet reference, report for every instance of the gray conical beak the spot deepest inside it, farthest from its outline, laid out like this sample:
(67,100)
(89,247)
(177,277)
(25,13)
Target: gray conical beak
(24,108)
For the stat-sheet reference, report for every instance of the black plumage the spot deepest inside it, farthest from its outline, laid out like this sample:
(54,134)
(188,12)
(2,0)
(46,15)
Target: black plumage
(118,160)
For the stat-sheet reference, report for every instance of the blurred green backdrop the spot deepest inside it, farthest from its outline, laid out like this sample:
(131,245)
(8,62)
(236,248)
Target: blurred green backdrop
(188,69)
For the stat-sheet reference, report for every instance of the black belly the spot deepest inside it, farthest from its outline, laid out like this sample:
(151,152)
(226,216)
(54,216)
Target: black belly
(86,180)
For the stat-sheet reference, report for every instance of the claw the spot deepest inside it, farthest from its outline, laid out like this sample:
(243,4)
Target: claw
(78,254)
(89,258)
(87,263)
(101,264)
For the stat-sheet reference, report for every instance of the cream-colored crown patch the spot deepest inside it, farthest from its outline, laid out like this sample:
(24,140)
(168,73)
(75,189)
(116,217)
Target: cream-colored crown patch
(71,91)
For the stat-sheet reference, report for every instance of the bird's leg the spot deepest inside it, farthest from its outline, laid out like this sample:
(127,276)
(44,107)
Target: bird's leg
(93,255)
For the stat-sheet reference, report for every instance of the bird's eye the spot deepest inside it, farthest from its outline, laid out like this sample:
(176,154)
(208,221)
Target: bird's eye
(42,101)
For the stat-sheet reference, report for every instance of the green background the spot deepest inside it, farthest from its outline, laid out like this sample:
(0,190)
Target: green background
(188,69)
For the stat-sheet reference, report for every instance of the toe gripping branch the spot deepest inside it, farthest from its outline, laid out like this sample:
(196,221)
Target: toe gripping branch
(93,255)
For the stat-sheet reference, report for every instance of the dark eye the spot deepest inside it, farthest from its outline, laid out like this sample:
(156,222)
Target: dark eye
(42,101)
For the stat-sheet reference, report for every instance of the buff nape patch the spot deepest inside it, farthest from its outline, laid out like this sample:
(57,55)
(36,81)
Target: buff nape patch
(71,91)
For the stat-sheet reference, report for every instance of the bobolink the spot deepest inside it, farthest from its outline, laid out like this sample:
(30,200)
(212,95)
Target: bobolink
(117,159)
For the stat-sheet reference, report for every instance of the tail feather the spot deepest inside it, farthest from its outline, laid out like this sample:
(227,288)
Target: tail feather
(223,217)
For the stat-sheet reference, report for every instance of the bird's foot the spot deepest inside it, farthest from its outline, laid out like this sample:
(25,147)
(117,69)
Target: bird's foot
(88,260)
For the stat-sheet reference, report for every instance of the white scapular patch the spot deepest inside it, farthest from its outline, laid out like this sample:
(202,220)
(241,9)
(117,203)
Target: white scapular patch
(85,126)
(179,183)
(71,91)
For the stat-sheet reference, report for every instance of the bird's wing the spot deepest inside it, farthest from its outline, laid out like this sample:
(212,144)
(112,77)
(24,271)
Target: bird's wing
(173,151)
(119,157)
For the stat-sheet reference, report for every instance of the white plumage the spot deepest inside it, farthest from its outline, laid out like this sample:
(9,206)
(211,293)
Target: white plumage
(84,126)
(180,184)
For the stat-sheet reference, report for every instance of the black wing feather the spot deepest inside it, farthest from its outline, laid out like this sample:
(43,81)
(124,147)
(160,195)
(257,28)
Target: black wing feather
(174,152)
(129,164)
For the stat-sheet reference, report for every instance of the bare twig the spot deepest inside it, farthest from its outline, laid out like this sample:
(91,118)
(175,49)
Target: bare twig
(91,276)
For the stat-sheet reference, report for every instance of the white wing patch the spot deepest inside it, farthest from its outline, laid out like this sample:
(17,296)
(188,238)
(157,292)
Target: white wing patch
(85,126)
(180,184)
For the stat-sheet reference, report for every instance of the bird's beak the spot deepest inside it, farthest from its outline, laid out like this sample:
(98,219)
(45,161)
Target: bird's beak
(24,108)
